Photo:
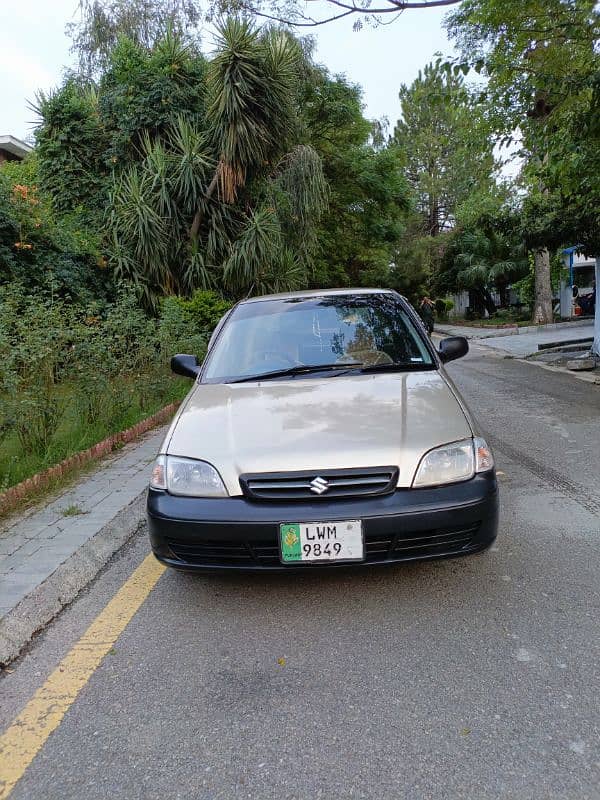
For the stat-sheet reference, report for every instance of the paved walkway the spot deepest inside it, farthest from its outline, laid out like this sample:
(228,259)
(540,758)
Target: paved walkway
(521,342)
(33,546)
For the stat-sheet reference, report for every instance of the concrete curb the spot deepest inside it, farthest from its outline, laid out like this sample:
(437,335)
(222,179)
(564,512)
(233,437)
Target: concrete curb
(513,330)
(40,606)
(585,376)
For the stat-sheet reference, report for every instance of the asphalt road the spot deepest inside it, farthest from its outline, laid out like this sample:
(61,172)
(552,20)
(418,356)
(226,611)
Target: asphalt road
(471,678)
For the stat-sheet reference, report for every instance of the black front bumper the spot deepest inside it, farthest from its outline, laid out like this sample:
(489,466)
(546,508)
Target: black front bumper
(233,533)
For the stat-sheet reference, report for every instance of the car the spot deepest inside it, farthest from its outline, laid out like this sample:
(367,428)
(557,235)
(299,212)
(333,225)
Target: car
(321,431)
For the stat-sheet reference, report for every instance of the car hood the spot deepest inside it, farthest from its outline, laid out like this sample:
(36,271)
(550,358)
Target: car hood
(375,420)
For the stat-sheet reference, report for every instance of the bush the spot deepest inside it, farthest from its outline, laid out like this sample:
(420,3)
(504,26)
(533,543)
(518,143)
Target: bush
(202,311)
(72,374)
(38,250)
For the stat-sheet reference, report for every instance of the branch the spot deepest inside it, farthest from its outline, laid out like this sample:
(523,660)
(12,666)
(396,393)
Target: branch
(311,24)
(395,7)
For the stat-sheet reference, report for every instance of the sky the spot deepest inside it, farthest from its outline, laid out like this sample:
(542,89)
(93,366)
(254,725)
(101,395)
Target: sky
(34,50)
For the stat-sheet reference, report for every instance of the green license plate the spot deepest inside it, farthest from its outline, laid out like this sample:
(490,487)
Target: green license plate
(312,542)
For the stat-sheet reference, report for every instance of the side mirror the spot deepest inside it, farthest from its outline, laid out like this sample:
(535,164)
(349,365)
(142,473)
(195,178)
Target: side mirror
(186,365)
(453,347)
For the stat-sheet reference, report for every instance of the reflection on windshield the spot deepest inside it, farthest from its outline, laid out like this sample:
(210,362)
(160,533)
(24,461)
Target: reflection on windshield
(271,335)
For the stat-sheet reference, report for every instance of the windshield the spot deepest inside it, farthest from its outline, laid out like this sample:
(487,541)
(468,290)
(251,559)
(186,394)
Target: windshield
(347,330)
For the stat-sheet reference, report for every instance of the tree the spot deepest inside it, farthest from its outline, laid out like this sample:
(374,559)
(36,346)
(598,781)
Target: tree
(485,252)
(143,22)
(538,56)
(445,149)
(202,168)
(368,195)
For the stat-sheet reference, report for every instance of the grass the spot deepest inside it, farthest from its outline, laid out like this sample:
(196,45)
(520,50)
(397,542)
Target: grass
(499,320)
(73,511)
(123,406)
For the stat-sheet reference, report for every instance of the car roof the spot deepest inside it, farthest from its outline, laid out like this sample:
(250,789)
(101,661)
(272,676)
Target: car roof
(315,293)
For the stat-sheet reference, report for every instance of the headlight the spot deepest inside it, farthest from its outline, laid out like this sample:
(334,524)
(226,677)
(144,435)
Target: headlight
(187,477)
(454,462)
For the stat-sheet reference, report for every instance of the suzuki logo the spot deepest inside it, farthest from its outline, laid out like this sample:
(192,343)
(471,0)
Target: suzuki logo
(319,485)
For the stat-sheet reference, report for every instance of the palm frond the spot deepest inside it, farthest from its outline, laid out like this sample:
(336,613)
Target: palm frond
(253,251)
(250,109)
(192,162)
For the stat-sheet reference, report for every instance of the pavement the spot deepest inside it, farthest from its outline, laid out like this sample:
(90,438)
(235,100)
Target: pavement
(473,678)
(522,342)
(48,554)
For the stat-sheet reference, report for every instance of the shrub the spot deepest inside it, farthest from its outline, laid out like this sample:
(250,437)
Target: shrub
(39,250)
(204,309)
(71,374)
(440,308)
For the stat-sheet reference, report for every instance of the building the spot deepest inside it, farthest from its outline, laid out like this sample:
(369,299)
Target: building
(13,149)
(579,280)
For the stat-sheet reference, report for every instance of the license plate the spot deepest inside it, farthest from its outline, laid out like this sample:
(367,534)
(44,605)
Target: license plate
(321,541)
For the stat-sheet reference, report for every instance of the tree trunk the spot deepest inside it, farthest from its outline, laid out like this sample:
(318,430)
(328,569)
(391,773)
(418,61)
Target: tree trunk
(196,222)
(596,344)
(542,307)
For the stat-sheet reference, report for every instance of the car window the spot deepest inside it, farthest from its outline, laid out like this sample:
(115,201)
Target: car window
(268,335)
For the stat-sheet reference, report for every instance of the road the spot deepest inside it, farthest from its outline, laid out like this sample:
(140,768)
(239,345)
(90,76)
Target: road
(470,678)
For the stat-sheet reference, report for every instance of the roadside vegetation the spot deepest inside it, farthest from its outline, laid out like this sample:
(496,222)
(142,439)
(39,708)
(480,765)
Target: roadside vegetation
(171,177)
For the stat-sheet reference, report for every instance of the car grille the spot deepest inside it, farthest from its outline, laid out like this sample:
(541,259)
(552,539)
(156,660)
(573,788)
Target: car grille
(326,484)
(265,552)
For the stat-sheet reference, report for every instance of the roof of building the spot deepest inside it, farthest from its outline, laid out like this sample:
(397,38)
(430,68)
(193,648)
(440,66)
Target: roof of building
(11,144)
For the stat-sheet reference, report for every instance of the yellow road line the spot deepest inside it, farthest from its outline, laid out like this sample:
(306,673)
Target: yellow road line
(44,712)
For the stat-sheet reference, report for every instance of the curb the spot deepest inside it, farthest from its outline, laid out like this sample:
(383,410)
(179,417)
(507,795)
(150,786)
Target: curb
(513,330)
(586,377)
(30,486)
(41,605)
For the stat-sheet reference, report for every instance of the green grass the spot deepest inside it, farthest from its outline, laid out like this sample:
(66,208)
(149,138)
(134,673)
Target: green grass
(73,511)
(123,405)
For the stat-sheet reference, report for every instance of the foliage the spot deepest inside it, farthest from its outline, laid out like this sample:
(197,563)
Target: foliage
(145,88)
(71,375)
(70,147)
(102,22)
(368,195)
(541,61)
(485,251)
(43,250)
(201,165)
(443,143)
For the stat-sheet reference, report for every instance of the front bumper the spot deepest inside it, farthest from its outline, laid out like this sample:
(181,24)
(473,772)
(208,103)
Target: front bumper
(198,534)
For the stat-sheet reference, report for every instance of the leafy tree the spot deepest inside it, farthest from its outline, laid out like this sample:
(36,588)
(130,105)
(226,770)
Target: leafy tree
(145,88)
(102,22)
(211,182)
(43,250)
(444,146)
(71,145)
(368,195)
(539,57)
(482,258)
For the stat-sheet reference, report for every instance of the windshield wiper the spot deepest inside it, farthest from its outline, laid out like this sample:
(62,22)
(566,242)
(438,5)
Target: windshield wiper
(396,366)
(299,369)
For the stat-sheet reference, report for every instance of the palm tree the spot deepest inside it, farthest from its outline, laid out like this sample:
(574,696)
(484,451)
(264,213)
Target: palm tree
(232,201)
(488,260)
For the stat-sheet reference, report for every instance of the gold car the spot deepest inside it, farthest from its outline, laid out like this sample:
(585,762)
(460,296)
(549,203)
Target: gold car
(321,430)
